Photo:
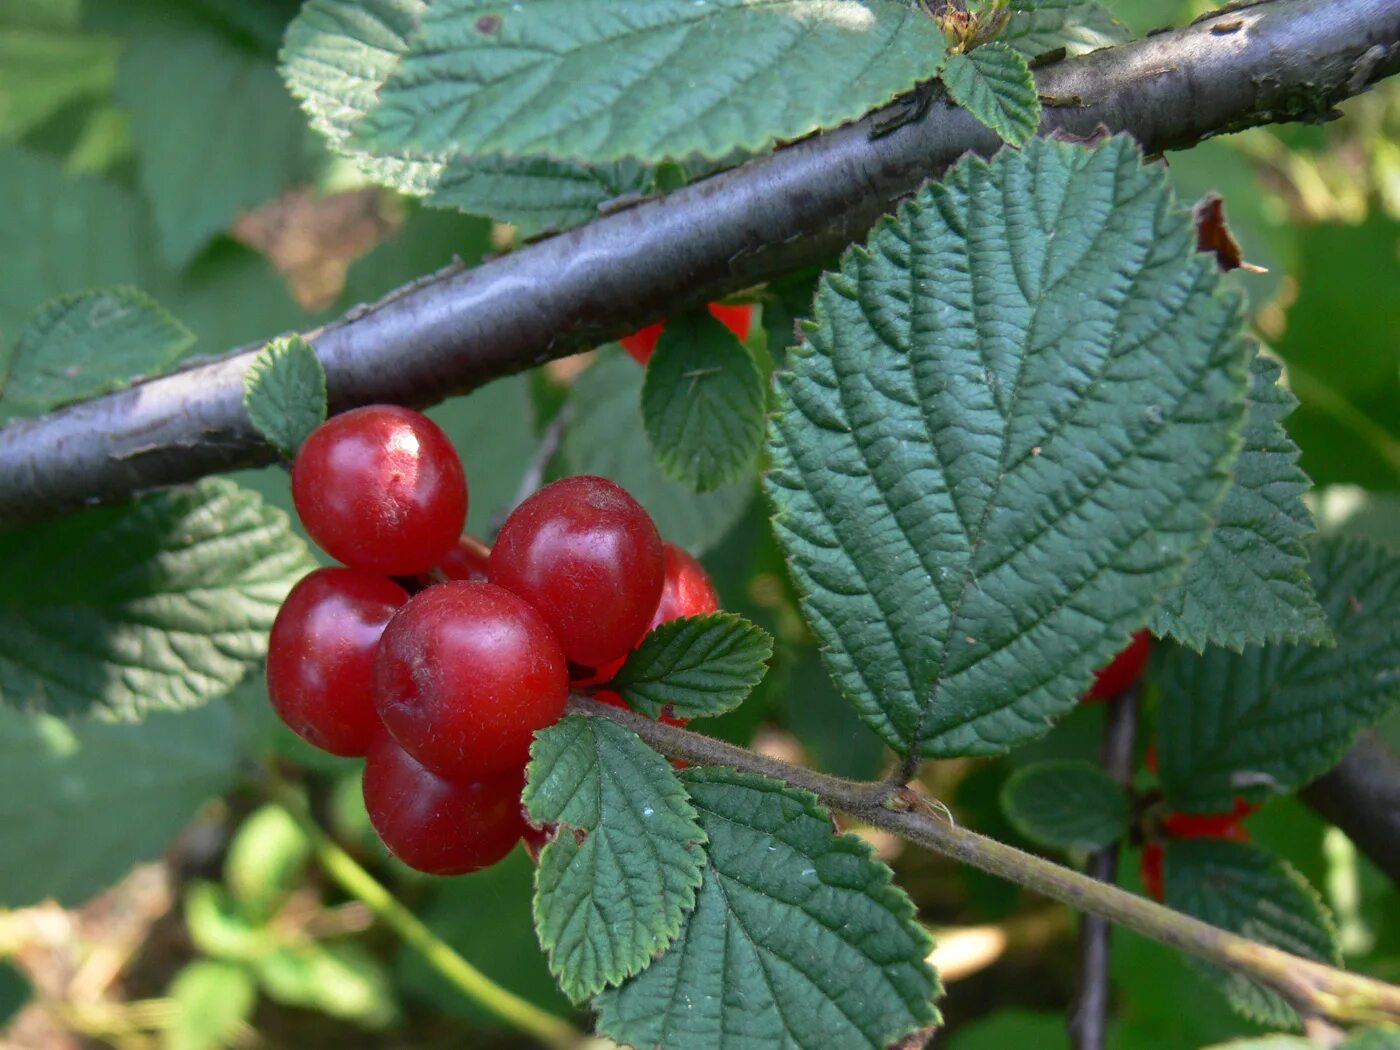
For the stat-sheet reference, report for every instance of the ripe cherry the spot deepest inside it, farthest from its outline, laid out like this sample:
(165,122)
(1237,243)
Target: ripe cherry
(686,591)
(588,557)
(320,657)
(466,672)
(436,825)
(467,560)
(1152,869)
(1123,670)
(380,488)
(642,344)
(1210,825)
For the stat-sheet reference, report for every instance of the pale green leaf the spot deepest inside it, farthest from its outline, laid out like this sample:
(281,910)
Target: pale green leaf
(337,54)
(1249,891)
(1037,27)
(702,403)
(89,343)
(213,129)
(1270,1042)
(284,392)
(1384,1038)
(603,80)
(605,437)
(605,905)
(81,802)
(1068,805)
(798,938)
(995,85)
(43,70)
(162,603)
(992,453)
(266,861)
(1250,584)
(210,1001)
(1273,717)
(341,979)
(694,667)
(218,927)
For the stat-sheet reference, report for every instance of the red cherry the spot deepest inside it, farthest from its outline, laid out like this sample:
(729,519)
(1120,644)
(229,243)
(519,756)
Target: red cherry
(466,673)
(1153,871)
(320,657)
(588,557)
(436,825)
(1123,670)
(381,488)
(1210,825)
(642,344)
(687,590)
(467,560)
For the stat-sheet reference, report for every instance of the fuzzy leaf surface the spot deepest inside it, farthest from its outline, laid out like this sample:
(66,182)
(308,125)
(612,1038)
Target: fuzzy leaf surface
(1003,440)
(798,938)
(695,667)
(284,392)
(1273,717)
(1068,805)
(1038,27)
(995,85)
(604,906)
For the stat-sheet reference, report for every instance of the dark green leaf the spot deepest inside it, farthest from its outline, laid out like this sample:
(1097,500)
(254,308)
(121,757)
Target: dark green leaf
(163,603)
(798,938)
(89,343)
(991,456)
(605,905)
(702,403)
(1068,805)
(605,436)
(1038,27)
(284,392)
(1250,584)
(15,991)
(995,85)
(210,1002)
(603,80)
(1249,891)
(694,667)
(80,803)
(1273,717)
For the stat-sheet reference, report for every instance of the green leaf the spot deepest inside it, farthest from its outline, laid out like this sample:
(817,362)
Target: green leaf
(163,603)
(339,979)
(336,56)
(228,139)
(15,992)
(1384,1038)
(1068,805)
(44,70)
(992,454)
(605,905)
(1250,584)
(1273,717)
(284,392)
(798,938)
(995,85)
(80,803)
(1251,892)
(605,437)
(1270,1042)
(87,344)
(1037,27)
(695,667)
(211,1001)
(603,80)
(219,928)
(702,403)
(266,861)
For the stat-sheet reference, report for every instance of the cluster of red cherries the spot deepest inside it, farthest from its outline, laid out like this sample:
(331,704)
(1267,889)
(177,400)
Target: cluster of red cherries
(436,658)
(1113,679)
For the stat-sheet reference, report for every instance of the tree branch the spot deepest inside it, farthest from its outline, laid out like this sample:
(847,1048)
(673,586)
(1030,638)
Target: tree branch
(1277,61)
(1088,1020)
(1362,797)
(1313,989)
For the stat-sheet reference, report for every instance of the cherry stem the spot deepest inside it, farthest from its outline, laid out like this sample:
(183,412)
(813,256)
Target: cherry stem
(551,1031)
(1314,989)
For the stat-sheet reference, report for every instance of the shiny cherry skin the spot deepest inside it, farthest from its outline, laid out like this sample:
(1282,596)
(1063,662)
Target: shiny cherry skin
(686,590)
(320,657)
(436,825)
(381,488)
(642,344)
(1153,870)
(465,674)
(467,560)
(588,557)
(1122,671)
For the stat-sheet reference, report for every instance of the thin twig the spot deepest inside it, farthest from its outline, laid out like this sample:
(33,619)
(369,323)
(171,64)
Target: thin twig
(1088,1018)
(1312,988)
